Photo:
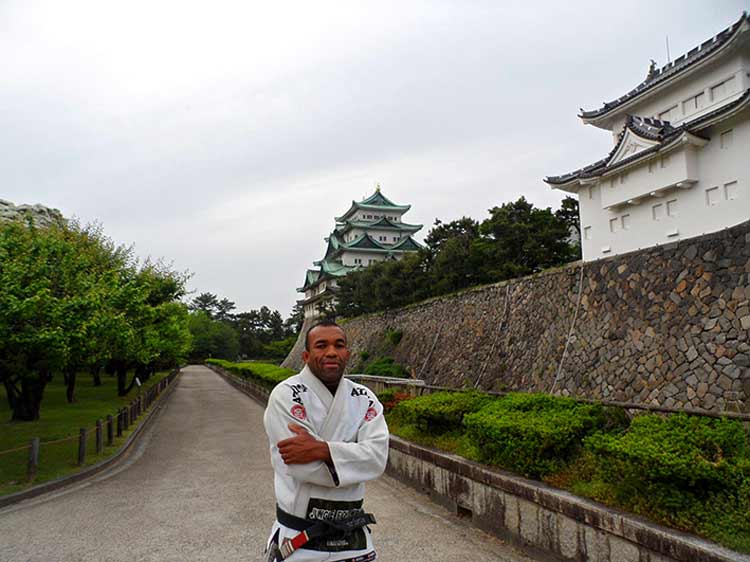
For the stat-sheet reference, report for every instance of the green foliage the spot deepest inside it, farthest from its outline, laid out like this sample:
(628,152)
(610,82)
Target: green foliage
(439,412)
(390,398)
(265,374)
(532,434)
(71,300)
(212,338)
(687,471)
(394,337)
(386,367)
(279,349)
(517,239)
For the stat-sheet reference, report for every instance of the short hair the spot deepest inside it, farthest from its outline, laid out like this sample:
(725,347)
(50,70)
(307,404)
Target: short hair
(330,323)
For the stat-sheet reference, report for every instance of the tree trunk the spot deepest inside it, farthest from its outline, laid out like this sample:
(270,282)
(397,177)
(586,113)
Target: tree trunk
(29,402)
(122,379)
(140,373)
(70,385)
(11,392)
(96,373)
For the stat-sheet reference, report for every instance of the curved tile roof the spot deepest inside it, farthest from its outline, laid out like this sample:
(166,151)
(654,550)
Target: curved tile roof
(653,129)
(679,65)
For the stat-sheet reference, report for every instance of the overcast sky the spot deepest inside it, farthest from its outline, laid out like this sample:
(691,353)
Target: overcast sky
(225,136)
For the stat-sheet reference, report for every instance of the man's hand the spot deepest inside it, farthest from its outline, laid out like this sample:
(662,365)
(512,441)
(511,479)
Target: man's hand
(303,447)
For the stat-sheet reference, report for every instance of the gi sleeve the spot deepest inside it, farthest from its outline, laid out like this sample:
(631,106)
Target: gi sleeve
(366,458)
(276,419)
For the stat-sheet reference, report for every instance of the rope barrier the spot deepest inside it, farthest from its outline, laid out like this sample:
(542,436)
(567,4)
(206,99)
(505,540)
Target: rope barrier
(91,430)
(14,450)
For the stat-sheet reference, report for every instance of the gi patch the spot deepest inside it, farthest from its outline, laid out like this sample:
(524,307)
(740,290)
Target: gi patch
(371,414)
(298,411)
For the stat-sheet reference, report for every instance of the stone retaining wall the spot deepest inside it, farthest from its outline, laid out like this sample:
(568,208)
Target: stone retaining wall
(667,326)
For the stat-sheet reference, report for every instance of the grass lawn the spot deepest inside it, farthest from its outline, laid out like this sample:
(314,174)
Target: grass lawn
(60,420)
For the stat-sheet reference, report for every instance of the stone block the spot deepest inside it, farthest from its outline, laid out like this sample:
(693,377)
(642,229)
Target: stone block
(621,550)
(512,515)
(529,524)
(567,533)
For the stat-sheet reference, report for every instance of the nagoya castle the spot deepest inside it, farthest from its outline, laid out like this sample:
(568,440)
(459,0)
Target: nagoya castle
(370,231)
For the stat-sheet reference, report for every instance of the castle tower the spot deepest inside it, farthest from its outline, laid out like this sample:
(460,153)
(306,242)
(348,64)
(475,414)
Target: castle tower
(370,231)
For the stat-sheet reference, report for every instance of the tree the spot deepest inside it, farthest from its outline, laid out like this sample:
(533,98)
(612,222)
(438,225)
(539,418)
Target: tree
(569,213)
(293,324)
(207,302)
(464,228)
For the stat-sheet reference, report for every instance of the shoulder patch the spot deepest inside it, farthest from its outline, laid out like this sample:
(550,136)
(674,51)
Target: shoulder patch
(298,412)
(371,414)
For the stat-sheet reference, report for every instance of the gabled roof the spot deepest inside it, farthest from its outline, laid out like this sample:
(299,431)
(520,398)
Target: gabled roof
(364,242)
(329,269)
(407,244)
(375,202)
(657,76)
(658,135)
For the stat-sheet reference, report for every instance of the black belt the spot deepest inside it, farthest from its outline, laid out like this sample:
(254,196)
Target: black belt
(314,528)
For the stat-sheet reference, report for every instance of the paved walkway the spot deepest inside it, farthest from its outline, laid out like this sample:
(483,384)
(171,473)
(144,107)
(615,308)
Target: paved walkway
(199,488)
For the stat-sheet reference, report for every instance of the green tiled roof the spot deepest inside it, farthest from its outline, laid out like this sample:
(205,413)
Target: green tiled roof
(407,244)
(382,223)
(375,202)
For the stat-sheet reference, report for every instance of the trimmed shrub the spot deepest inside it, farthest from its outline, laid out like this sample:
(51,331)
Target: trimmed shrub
(265,374)
(674,465)
(441,412)
(386,367)
(533,434)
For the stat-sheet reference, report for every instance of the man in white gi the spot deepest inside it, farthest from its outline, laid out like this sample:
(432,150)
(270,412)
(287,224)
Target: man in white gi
(327,437)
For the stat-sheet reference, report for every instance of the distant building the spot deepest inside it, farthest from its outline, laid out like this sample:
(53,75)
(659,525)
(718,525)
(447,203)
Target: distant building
(370,231)
(679,167)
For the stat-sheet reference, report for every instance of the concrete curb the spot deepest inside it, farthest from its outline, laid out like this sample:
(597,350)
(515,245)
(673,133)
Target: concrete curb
(95,469)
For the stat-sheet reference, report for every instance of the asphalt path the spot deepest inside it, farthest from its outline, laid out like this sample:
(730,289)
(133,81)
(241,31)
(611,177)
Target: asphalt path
(199,487)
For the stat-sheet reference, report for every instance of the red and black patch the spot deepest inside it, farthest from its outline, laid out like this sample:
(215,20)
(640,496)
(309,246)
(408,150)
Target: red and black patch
(371,414)
(298,411)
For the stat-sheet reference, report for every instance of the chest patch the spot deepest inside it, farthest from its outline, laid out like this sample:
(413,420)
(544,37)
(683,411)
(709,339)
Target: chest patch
(298,411)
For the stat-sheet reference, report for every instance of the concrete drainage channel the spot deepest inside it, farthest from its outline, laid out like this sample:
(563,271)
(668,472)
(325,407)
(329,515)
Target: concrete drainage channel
(546,521)
(122,454)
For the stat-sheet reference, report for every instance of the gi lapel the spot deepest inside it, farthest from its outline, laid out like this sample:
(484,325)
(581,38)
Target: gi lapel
(336,411)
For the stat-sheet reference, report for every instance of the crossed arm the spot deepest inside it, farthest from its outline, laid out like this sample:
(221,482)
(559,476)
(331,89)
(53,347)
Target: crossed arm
(303,447)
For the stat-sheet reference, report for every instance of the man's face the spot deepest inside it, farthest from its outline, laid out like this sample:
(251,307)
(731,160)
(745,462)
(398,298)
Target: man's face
(328,353)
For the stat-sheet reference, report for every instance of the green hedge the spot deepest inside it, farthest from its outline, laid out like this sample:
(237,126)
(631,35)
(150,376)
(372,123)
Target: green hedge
(688,471)
(265,374)
(440,412)
(533,434)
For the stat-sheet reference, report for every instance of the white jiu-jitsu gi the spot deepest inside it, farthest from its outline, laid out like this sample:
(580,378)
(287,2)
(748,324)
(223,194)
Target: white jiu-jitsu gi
(352,424)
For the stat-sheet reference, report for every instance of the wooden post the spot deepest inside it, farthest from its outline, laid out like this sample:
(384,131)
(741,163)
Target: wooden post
(125,419)
(82,446)
(99,437)
(119,422)
(33,458)
(110,431)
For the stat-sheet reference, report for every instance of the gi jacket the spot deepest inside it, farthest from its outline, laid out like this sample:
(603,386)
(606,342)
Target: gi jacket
(352,424)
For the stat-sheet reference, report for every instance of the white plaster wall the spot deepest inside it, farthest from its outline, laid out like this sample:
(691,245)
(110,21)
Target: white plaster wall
(347,258)
(717,167)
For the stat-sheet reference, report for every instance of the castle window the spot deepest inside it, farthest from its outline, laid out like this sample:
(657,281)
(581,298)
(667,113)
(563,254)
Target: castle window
(726,138)
(665,161)
(730,191)
(712,196)
(657,211)
(651,166)
(693,104)
(672,208)
(722,90)
(668,114)
(625,220)
(358,261)
(614,224)
(587,233)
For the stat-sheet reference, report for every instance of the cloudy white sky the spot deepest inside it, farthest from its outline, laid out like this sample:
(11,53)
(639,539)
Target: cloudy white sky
(225,136)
